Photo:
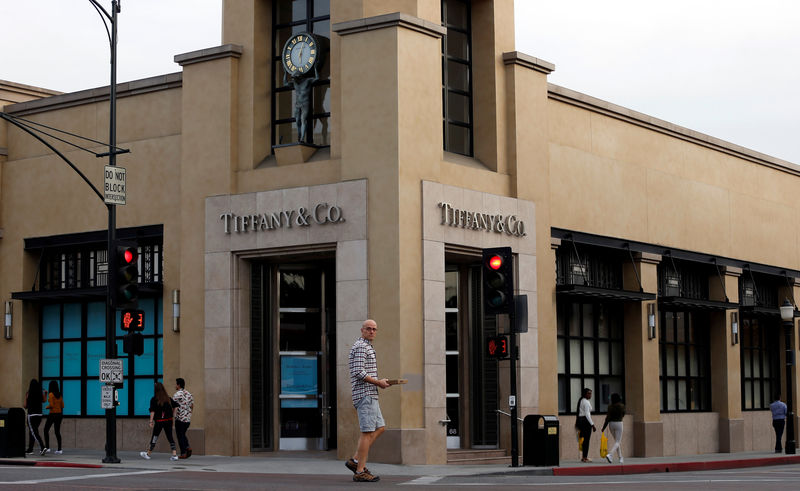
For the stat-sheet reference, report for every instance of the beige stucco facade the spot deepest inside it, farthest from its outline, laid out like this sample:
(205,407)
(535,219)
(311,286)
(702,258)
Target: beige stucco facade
(553,158)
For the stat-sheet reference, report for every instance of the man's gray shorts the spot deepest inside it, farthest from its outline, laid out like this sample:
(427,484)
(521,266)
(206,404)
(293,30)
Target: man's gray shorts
(369,415)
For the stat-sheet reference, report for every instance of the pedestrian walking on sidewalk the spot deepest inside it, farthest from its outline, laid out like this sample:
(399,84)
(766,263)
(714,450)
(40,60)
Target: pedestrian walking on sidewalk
(162,409)
(778,409)
(614,415)
(365,382)
(584,422)
(33,403)
(55,404)
(183,416)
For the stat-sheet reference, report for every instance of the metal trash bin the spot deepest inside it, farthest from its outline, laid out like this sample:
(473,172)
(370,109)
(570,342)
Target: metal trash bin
(12,432)
(540,435)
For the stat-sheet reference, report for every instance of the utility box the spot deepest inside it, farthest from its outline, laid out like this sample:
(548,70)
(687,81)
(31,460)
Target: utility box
(12,432)
(540,436)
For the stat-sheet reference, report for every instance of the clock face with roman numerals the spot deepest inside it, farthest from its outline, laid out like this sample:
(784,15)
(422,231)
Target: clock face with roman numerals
(300,54)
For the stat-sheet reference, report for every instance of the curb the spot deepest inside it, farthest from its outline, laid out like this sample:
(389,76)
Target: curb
(673,466)
(34,463)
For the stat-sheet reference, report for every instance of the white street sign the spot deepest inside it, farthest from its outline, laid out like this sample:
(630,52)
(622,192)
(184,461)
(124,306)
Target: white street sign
(114,185)
(106,396)
(111,371)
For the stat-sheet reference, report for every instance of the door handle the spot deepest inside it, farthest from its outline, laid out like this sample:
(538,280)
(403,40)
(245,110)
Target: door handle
(445,422)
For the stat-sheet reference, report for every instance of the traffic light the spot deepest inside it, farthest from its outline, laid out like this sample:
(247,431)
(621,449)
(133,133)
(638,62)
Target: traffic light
(127,276)
(133,343)
(498,281)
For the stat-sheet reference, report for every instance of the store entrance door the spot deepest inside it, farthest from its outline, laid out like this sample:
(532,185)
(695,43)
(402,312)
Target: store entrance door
(471,376)
(306,369)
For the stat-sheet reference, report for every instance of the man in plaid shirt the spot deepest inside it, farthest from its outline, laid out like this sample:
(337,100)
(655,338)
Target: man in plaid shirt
(365,382)
(183,416)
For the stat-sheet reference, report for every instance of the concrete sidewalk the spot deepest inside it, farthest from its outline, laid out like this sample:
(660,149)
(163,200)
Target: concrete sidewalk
(327,463)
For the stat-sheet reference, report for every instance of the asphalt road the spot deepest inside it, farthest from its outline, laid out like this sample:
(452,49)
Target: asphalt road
(32,478)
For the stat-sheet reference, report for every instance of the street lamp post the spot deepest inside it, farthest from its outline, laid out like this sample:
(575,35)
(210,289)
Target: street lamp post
(787,316)
(111,343)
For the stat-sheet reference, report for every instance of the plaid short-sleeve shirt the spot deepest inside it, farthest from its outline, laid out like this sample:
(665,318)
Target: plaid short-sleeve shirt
(362,363)
(185,402)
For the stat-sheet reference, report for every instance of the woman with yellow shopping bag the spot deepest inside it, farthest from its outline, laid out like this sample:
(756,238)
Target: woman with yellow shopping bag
(614,415)
(603,445)
(584,423)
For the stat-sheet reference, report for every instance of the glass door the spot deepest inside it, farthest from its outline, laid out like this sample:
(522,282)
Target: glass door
(305,367)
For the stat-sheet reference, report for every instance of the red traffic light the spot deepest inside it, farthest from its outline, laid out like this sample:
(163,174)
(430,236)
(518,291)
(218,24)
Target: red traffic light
(129,255)
(495,262)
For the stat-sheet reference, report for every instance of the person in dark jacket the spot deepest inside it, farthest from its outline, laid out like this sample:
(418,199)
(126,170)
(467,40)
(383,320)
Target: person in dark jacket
(33,403)
(162,410)
(614,415)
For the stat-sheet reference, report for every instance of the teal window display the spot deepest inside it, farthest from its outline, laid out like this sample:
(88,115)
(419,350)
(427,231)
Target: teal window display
(72,344)
(299,384)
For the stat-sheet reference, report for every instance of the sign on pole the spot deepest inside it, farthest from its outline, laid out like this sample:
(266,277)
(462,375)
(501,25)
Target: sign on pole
(114,185)
(106,396)
(111,371)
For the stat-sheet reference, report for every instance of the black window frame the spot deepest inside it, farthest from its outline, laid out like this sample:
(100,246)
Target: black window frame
(302,25)
(695,339)
(448,89)
(763,344)
(614,312)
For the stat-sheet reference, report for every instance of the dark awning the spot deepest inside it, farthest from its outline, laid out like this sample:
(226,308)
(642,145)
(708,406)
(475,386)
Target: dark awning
(591,292)
(695,304)
(78,294)
(759,310)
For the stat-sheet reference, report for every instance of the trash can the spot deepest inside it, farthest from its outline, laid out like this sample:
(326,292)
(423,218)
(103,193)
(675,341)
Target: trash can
(12,432)
(540,436)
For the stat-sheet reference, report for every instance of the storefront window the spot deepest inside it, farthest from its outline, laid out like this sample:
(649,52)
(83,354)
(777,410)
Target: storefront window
(590,353)
(456,76)
(292,17)
(684,360)
(760,358)
(73,341)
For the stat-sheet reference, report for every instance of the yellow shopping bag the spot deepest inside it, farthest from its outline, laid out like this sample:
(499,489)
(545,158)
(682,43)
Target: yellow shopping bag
(603,445)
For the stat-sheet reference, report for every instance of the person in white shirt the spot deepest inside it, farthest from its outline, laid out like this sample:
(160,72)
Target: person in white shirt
(584,422)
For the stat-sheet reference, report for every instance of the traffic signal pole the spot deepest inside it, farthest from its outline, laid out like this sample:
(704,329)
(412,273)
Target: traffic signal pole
(498,290)
(111,307)
(512,351)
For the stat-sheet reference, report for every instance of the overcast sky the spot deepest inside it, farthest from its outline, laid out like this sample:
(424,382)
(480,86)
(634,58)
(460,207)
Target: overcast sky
(727,68)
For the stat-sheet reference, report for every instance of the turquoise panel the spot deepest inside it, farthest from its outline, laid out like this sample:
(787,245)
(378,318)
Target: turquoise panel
(72,320)
(51,359)
(93,395)
(95,351)
(51,322)
(145,363)
(96,320)
(143,392)
(72,397)
(72,358)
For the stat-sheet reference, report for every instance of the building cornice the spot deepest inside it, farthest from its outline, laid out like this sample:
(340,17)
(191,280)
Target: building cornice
(396,19)
(208,54)
(27,90)
(606,108)
(527,61)
(90,96)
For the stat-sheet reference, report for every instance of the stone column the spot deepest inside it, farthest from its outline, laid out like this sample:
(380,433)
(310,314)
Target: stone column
(642,387)
(726,397)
